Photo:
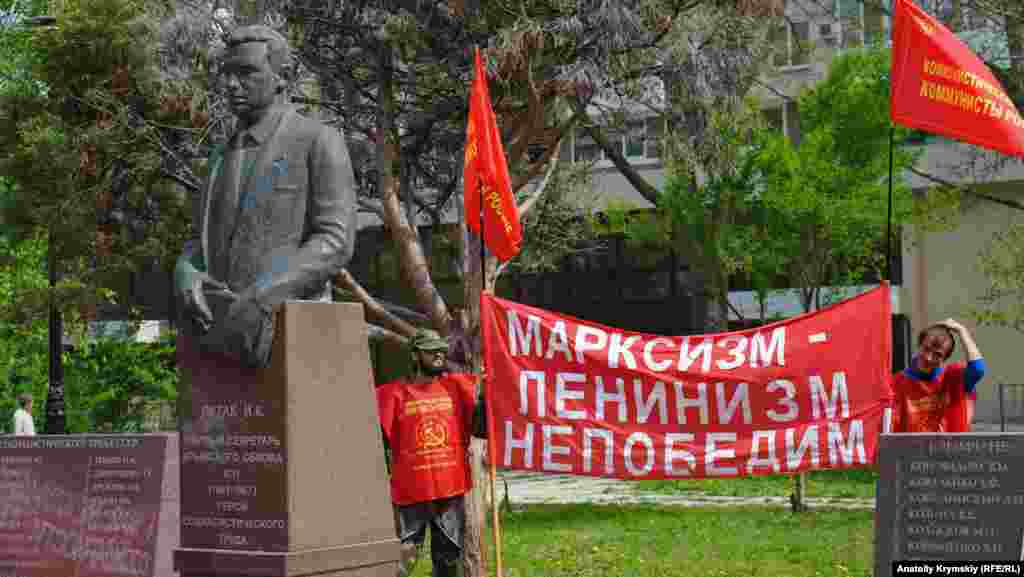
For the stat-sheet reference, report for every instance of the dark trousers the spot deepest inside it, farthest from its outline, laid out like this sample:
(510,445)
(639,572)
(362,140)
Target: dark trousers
(446,519)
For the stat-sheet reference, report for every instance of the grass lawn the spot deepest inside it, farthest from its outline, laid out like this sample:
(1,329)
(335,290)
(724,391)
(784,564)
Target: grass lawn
(832,483)
(644,541)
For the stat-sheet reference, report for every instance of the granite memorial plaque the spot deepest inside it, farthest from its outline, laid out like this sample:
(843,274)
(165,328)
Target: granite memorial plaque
(87,506)
(282,469)
(233,459)
(949,497)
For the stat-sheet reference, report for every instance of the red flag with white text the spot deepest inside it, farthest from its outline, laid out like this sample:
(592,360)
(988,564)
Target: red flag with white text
(939,85)
(486,182)
(570,396)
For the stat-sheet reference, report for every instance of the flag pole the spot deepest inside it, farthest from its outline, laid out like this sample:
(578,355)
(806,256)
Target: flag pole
(492,467)
(493,472)
(888,220)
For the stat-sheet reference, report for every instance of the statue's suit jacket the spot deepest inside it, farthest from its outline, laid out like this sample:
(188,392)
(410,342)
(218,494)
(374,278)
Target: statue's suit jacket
(289,226)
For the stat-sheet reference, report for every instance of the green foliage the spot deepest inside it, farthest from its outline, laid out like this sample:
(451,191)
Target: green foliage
(723,218)
(85,154)
(109,383)
(23,276)
(616,217)
(650,541)
(828,195)
(23,369)
(556,226)
(1002,264)
(814,212)
(17,53)
(938,209)
(23,341)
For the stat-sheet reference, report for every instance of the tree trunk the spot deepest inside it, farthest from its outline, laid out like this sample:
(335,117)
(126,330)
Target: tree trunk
(474,560)
(415,270)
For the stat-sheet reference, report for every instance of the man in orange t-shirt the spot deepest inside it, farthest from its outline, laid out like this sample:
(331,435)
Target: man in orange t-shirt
(427,421)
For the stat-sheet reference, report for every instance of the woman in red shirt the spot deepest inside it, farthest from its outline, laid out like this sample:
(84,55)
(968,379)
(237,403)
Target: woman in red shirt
(932,397)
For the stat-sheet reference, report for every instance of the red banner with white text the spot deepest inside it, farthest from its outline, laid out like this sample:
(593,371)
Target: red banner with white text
(941,86)
(569,396)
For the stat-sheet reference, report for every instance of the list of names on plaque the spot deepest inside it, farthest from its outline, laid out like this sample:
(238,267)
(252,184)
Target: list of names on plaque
(86,505)
(959,497)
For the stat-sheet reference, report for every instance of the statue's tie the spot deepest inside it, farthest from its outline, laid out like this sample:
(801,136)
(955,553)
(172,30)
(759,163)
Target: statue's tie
(227,201)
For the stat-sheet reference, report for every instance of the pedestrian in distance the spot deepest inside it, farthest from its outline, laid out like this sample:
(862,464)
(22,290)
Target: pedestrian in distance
(23,423)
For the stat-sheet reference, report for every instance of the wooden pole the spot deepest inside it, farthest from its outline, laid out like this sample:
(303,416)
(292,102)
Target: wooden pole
(495,521)
(491,453)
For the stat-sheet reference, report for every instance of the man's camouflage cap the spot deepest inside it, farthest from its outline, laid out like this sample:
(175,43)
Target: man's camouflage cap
(428,340)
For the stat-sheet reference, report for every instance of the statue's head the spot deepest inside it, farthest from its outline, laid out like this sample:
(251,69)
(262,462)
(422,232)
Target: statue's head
(256,70)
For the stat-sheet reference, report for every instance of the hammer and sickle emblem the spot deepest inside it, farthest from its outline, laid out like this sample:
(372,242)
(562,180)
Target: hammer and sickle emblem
(432,433)
(925,27)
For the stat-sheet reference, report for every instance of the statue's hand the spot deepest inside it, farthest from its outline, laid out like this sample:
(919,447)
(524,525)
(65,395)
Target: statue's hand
(246,310)
(195,298)
(246,322)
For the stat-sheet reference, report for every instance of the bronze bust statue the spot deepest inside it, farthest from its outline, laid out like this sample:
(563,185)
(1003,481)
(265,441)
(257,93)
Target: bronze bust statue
(275,219)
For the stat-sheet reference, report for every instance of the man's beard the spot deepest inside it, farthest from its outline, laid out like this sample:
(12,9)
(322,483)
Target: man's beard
(431,370)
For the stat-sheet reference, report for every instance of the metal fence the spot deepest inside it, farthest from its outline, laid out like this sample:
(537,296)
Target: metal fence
(1003,404)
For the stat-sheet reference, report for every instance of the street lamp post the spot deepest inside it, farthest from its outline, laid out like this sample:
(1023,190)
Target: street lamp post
(56,423)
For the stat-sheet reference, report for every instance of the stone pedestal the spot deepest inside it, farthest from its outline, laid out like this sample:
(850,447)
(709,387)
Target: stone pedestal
(282,469)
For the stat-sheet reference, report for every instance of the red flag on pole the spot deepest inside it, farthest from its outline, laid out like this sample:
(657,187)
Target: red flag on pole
(485,174)
(940,86)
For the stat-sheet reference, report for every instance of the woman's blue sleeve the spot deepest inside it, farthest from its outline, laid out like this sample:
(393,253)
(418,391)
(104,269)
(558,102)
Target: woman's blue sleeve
(973,373)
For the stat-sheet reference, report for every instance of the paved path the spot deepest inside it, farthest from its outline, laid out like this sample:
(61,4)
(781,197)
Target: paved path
(532,488)
(525,488)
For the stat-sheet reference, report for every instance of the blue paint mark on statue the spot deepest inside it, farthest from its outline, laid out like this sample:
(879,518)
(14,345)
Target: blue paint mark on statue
(263,184)
(279,168)
(278,266)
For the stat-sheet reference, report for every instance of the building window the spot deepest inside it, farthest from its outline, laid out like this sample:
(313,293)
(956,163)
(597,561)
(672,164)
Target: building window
(941,9)
(827,36)
(874,25)
(655,131)
(565,149)
(635,138)
(791,113)
(791,42)
(955,14)
(785,120)
(966,19)
(584,147)
(773,118)
(849,14)
(615,138)
(863,23)
(641,139)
